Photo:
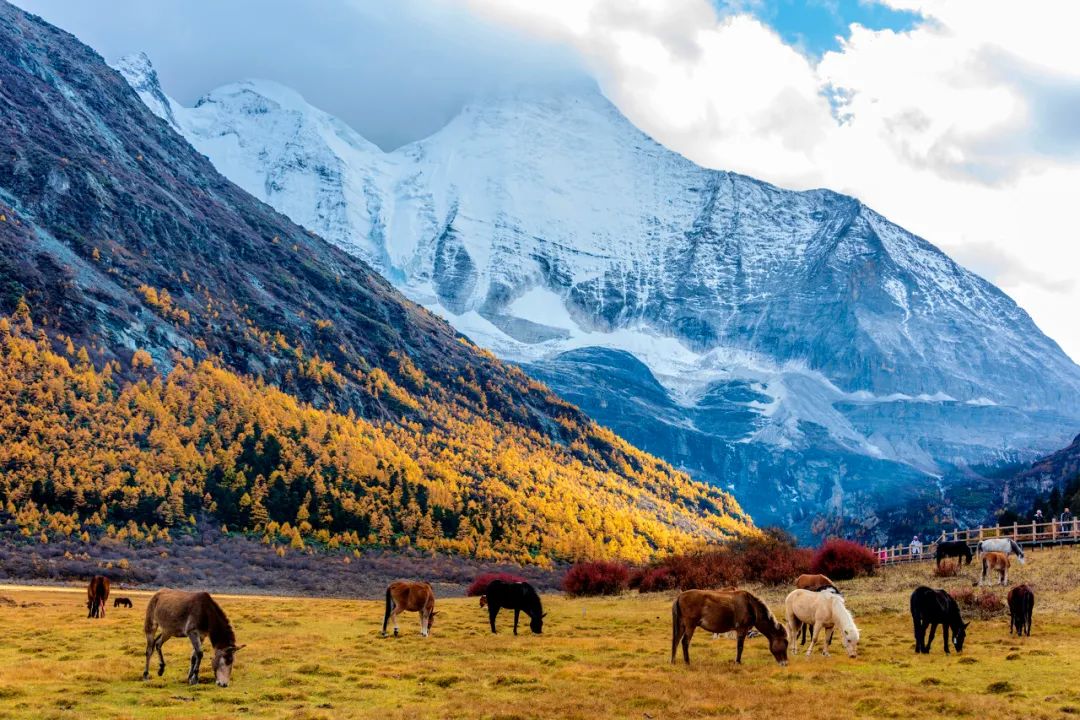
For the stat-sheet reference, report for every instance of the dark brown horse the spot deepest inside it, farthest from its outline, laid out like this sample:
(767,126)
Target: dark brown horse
(121,602)
(1021,604)
(97,593)
(175,613)
(405,596)
(720,611)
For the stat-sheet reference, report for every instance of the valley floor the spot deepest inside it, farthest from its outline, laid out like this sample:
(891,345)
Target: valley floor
(598,658)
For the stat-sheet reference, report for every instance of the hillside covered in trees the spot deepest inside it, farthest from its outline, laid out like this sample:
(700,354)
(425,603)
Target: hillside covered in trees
(175,347)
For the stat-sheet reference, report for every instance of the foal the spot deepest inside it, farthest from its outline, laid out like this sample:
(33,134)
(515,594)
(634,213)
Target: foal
(995,562)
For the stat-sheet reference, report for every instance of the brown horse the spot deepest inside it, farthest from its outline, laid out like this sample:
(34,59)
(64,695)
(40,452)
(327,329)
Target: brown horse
(97,592)
(402,596)
(175,613)
(720,611)
(814,583)
(995,562)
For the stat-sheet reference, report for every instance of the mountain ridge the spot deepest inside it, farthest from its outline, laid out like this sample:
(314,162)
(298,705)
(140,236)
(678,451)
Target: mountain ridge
(130,268)
(542,226)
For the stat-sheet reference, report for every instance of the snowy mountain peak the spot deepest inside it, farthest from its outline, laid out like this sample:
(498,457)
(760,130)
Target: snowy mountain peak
(143,79)
(550,229)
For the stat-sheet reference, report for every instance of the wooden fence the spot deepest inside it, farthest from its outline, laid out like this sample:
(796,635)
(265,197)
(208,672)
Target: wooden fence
(1047,533)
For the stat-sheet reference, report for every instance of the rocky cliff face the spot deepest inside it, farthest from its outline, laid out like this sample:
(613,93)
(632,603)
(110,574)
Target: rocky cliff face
(828,366)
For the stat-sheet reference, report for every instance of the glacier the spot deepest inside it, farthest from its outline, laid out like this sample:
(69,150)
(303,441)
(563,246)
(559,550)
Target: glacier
(836,372)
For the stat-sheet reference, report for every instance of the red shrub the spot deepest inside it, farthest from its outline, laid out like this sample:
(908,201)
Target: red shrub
(702,570)
(771,559)
(479,585)
(984,604)
(844,560)
(947,568)
(596,578)
(656,579)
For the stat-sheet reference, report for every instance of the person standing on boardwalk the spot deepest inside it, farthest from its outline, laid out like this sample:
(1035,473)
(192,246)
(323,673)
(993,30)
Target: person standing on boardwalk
(916,547)
(1067,521)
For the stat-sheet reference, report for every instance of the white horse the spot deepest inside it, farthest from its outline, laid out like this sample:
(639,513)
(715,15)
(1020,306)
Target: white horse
(1002,545)
(824,611)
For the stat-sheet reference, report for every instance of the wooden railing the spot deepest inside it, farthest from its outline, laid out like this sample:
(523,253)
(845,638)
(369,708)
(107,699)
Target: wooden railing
(1052,532)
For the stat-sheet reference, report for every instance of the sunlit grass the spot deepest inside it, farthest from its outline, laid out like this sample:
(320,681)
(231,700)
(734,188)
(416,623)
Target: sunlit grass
(597,659)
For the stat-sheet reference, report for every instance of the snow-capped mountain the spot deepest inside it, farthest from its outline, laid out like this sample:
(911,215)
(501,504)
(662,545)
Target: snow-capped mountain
(796,347)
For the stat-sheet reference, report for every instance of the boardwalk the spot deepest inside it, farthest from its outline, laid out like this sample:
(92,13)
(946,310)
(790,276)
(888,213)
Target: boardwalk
(1025,534)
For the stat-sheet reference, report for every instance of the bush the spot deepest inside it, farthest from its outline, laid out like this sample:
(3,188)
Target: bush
(984,604)
(479,585)
(947,569)
(656,579)
(771,558)
(596,578)
(844,560)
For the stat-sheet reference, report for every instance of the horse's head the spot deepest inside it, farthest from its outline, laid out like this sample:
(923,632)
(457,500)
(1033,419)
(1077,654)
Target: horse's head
(958,637)
(778,644)
(536,624)
(483,601)
(849,636)
(223,663)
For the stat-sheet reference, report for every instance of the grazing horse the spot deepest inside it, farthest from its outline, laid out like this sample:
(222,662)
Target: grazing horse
(995,562)
(815,583)
(175,613)
(955,548)
(121,602)
(97,593)
(823,611)
(720,611)
(1021,603)
(402,596)
(520,597)
(932,608)
(1002,545)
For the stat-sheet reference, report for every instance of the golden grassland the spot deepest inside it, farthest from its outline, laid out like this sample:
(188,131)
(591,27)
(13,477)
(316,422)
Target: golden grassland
(598,658)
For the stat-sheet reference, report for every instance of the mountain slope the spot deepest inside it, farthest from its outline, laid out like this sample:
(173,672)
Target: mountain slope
(857,357)
(1058,471)
(123,240)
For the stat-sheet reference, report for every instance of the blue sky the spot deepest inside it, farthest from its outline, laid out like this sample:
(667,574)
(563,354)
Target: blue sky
(814,25)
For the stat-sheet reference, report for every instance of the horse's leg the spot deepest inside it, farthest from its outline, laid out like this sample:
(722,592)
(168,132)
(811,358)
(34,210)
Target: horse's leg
(196,657)
(393,616)
(688,635)
(930,641)
(517,614)
(161,656)
(493,610)
(741,638)
(151,641)
(920,634)
(828,640)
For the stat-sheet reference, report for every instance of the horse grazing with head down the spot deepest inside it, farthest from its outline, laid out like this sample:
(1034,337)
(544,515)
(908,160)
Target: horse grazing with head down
(97,593)
(175,613)
(932,608)
(405,596)
(121,602)
(1021,604)
(995,562)
(956,549)
(520,597)
(1002,545)
(721,611)
(822,611)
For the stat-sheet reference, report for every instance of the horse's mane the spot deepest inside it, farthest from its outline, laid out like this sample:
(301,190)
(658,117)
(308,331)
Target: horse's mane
(218,625)
(762,610)
(842,616)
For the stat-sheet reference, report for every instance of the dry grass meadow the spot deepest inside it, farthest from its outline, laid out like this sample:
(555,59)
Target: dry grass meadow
(598,658)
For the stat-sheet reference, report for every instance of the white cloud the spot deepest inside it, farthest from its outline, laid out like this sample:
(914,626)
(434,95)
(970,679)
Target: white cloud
(963,129)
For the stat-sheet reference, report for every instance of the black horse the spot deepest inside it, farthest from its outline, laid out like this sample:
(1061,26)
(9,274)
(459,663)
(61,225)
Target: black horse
(933,608)
(1021,604)
(121,602)
(956,549)
(520,597)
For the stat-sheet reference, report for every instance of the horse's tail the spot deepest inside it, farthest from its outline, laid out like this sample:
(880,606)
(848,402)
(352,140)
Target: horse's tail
(676,628)
(389,607)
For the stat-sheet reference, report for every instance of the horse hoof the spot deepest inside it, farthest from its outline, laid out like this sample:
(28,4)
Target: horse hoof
(161,671)
(193,681)
(395,633)
(145,676)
